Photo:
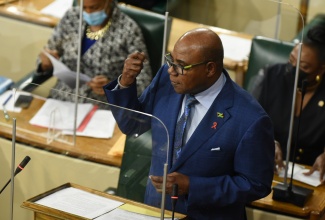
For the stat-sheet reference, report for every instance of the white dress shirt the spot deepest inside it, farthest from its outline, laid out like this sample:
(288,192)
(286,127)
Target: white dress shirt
(205,100)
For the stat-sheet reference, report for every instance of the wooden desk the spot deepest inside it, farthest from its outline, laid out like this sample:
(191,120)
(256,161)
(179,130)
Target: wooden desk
(86,148)
(314,208)
(29,11)
(43,212)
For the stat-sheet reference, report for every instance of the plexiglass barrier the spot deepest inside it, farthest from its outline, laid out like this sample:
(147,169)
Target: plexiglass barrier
(89,131)
(269,18)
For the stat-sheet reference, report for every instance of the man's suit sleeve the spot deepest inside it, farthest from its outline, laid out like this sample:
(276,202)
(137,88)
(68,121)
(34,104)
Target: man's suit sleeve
(129,121)
(122,103)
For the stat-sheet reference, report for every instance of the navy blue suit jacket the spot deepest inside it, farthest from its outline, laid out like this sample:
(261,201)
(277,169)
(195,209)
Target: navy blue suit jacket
(229,158)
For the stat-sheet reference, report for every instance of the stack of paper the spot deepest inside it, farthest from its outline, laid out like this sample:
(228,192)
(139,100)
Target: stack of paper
(90,121)
(58,114)
(101,124)
(79,202)
(57,8)
(298,174)
(89,205)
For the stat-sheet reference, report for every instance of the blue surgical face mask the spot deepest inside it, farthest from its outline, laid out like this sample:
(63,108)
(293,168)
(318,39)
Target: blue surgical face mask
(95,18)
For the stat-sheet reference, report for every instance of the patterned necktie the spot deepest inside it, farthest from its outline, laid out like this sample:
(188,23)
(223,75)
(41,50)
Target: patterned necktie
(181,126)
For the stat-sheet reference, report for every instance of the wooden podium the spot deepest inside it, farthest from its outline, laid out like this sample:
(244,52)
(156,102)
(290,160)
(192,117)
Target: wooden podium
(42,212)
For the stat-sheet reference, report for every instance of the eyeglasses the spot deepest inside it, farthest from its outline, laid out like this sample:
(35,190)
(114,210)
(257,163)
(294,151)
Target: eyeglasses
(179,69)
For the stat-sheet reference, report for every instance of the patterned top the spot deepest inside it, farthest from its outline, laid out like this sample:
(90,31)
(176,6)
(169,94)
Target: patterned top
(106,56)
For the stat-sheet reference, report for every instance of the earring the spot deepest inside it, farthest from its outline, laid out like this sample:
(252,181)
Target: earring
(317,78)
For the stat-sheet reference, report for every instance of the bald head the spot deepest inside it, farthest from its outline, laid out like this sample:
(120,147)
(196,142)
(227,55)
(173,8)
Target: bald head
(206,42)
(201,52)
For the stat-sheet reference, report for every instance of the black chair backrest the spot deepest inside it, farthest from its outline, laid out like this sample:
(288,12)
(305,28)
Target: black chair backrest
(265,51)
(152,26)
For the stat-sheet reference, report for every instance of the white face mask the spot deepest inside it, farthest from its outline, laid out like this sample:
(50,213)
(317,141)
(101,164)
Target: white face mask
(95,18)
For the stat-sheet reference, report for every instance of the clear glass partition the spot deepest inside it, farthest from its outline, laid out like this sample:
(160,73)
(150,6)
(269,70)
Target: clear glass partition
(253,17)
(89,131)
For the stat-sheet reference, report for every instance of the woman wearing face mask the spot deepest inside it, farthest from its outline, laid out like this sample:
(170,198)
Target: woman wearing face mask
(108,36)
(275,95)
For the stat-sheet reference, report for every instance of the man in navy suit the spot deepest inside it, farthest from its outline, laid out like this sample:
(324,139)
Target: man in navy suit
(227,159)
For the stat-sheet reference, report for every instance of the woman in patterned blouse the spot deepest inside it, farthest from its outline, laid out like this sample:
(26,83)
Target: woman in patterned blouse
(109,36)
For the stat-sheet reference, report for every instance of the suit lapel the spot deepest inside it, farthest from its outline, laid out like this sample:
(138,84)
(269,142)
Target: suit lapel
(212,122)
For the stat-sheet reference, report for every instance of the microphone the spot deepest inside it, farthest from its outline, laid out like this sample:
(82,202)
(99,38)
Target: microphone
(296,195)
(174,198)
(22,165)
(19,168)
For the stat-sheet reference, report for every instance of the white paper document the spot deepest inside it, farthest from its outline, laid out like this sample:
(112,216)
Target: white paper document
(57,8)
(56,114)
(298,174)
(100,125)
(62,72)
(120,214)
(312,180)
(235,48)
(79,202)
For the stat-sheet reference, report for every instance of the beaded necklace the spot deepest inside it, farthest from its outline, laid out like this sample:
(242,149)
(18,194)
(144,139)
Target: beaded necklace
(97,34)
